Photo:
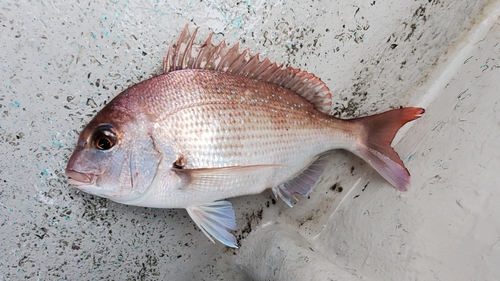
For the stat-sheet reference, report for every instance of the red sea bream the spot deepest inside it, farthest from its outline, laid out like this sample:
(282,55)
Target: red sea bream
(219,123)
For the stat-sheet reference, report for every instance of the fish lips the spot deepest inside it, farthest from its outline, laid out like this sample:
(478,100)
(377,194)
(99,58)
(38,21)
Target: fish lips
(78,179)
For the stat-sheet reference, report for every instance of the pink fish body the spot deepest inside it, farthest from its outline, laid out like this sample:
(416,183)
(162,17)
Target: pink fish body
(218,124)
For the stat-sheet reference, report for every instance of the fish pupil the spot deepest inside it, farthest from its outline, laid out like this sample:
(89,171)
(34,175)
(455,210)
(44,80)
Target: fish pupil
(104,138)
(103,144)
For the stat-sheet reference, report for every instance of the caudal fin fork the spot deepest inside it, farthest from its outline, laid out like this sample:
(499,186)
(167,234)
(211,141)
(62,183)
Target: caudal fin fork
(375,145)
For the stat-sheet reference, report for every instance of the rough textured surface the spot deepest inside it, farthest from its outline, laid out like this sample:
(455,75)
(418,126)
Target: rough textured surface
(61,62)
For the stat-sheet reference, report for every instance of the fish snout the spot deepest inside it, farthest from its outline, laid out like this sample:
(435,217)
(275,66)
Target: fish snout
(78,179)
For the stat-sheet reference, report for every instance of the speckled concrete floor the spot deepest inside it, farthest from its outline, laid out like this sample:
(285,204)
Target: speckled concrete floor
(60,62)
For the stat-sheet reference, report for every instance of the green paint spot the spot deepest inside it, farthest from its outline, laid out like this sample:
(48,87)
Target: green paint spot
(411,156)
(57,143)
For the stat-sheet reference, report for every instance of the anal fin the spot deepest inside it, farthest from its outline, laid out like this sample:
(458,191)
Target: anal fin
(215,220)
(304,182)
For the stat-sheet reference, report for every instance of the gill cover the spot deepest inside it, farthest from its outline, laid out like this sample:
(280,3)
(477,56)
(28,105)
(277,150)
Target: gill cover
(115,159)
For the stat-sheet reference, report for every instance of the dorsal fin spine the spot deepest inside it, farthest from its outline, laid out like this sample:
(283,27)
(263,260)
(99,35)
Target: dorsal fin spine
(167,63)
(179,55)
(205,49)
(265,64)
(186,58)
(228,59)
(268,71)
(239,62)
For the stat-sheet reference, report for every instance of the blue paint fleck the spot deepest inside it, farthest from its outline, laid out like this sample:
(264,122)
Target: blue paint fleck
(411,156)
(15,104)
(235,22)
(57,143)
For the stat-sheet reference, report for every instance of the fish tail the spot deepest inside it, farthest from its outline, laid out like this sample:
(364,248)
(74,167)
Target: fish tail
(377,133)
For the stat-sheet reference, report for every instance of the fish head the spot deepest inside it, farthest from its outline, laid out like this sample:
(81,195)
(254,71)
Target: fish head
(115,156)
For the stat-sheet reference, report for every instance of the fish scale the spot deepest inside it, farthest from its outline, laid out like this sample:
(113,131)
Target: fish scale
(254,127)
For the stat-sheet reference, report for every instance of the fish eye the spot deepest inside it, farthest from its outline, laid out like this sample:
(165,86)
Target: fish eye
(104,138)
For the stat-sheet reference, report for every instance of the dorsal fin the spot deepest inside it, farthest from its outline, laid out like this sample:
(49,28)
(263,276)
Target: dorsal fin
(186,55)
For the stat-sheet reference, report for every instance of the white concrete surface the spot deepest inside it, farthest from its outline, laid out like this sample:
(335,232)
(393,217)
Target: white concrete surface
(60,62)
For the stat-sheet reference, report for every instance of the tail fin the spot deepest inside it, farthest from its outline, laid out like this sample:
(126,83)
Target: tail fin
(375,147)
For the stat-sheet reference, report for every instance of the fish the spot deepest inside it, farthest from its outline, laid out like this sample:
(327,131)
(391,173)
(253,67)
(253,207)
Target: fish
(220,123)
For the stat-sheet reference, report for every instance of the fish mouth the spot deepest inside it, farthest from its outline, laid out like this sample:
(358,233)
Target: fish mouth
(79,179)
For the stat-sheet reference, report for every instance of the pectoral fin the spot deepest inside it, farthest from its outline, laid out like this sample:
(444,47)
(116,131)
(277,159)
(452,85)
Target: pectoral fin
(215,220)
(303,183)
(214,177)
